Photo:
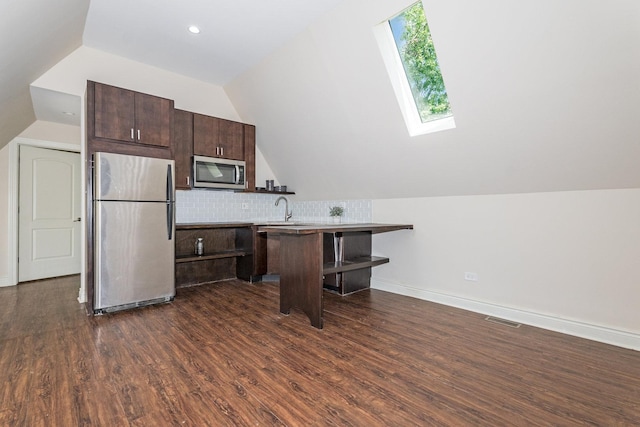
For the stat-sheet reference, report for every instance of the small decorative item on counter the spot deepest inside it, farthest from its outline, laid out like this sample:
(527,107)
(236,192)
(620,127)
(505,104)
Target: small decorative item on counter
(281,188)
(270,184)
(336,213)
(199,246)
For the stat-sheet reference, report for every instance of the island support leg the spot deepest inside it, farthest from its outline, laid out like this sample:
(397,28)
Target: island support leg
(301,275)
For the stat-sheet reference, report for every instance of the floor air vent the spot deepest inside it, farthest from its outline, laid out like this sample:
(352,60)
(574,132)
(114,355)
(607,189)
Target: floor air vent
(504,322)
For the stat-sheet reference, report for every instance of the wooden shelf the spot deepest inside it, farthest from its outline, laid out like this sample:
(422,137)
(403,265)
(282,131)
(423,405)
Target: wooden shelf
(353,264)
(228,252)
(217,255)
(265,192)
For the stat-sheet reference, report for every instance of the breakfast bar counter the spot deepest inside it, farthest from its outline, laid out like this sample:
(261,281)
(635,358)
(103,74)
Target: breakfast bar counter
(317,256)
(297,228)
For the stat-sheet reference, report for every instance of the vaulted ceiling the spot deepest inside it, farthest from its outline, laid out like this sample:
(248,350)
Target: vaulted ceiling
(545,93)
(36,34)
(234,35)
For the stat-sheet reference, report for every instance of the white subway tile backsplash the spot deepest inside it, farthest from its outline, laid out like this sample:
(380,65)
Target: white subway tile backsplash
(217,206)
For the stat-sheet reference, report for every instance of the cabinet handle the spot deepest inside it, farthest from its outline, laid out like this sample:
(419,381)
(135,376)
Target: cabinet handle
(132,137)
(222,151)
(138,134)
(188,181)
(217,151)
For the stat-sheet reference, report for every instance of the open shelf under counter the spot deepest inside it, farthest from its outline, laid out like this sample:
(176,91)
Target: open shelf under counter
(217,255)
(318,256)
(228,252)
(353,264)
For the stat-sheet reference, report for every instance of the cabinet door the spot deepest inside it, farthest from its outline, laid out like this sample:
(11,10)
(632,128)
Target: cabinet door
(182,146)
(114,113)
(231,140)
(273,254)
(153,120)
(206,132)
(250,155)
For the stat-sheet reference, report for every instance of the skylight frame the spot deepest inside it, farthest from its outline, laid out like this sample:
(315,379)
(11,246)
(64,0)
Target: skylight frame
(400,84)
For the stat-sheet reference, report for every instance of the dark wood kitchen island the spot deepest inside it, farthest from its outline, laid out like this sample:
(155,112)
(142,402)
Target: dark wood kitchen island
(315,256)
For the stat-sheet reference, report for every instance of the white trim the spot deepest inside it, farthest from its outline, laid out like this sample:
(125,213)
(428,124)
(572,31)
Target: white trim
(12,232)
(401,88)
(51,145)
(14,190)
(82,292)
(4,281)
(583,330)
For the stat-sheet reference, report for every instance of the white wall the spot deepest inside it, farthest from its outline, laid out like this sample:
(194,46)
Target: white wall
(545,96)
(566,260)
(533,84)
(55,132)
(71,74)
(40,134)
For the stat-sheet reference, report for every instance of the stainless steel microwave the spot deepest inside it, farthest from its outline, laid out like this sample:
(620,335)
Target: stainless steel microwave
(210,172)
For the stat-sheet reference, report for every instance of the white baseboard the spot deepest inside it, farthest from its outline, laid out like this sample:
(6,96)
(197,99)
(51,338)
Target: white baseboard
(583,330)
(4,281)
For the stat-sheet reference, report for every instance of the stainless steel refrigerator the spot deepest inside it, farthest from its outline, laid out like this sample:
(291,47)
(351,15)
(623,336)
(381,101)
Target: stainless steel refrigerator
(134,228)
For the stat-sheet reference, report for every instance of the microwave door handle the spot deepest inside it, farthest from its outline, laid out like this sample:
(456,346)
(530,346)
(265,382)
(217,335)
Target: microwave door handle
(237,174)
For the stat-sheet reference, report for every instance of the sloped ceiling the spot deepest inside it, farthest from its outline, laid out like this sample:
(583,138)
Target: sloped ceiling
(545,93)
(546,97)
(234,34)
(34,36)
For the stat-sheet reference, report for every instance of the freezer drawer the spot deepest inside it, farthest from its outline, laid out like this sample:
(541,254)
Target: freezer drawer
(134,255)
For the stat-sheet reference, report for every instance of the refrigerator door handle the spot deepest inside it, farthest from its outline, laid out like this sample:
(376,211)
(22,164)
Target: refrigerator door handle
(169,220)
(169,183)
(169,203)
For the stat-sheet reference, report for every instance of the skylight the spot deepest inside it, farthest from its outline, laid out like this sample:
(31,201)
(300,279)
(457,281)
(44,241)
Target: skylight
(408,51)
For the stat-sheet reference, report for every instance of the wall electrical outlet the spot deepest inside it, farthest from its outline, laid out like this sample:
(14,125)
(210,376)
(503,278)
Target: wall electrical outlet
(472,277)
(245,206)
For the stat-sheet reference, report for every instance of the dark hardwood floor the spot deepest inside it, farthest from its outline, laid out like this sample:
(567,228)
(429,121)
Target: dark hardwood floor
(222,354)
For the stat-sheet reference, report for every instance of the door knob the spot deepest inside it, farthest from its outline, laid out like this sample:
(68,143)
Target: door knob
(77,220)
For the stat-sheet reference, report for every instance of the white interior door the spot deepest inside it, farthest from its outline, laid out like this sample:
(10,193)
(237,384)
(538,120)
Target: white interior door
(49,219)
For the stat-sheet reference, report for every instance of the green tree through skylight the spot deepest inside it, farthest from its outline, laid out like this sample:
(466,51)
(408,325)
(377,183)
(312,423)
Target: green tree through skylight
(417,52)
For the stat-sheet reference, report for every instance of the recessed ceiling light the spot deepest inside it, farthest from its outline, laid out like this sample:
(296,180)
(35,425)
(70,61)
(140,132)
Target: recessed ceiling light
(193,29)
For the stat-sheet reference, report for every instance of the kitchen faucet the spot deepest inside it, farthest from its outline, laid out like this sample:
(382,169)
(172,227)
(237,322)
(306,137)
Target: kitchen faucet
(287,214)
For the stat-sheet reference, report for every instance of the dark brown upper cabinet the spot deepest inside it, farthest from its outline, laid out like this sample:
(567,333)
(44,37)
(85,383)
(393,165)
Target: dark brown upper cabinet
(182,147)
(215,137)
(127,116)
(250,155)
